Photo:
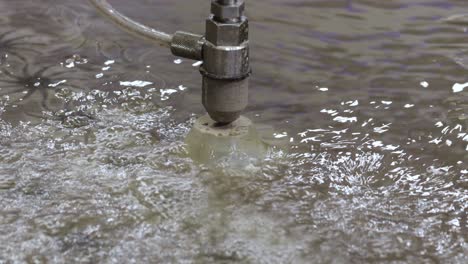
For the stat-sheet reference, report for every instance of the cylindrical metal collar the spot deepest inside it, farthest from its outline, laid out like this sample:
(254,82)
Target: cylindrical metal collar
(227,2)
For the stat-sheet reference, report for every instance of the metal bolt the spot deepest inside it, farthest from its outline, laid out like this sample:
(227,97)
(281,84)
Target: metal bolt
(227,11)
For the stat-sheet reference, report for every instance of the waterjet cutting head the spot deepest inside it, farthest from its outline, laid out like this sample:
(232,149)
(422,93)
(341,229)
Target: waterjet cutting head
(224,51)
(226,65)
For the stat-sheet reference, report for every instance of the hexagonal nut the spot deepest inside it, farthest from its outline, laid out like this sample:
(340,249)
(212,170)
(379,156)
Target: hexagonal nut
(227,34)
(226,12)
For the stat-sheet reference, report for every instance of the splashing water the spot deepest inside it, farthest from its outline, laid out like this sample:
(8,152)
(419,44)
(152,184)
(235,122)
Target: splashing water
(366,94)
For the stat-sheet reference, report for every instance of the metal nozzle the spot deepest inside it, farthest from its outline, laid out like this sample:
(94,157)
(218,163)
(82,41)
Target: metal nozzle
(226,65)
(225,54)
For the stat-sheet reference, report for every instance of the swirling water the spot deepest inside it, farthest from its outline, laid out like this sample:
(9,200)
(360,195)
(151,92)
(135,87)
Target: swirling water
(371,95)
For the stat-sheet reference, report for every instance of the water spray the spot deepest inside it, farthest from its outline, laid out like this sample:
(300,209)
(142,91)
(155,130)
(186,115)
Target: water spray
(224,50)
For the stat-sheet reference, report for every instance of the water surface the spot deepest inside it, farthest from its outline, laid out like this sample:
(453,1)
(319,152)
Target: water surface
(371,95)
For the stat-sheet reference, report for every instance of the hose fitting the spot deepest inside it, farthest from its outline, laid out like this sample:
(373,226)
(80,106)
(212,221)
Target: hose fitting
(187,45)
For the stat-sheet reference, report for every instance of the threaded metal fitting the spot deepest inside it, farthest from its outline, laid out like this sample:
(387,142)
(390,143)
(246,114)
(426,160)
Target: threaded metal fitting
(187,45)
(229,11)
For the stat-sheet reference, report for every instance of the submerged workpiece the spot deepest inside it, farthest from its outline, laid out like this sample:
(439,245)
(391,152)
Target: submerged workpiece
(224,51)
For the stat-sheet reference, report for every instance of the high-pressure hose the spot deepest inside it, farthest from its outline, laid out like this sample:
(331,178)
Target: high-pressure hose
(132,26)
(182,44)
(224,51)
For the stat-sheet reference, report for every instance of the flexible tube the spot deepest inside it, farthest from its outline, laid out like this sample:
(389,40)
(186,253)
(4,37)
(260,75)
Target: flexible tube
(132,26)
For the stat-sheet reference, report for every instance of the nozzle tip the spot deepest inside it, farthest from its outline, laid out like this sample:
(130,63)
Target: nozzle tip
(224,118)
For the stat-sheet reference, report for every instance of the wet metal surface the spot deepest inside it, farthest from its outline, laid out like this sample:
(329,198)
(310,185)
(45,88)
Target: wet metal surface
(371,95)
